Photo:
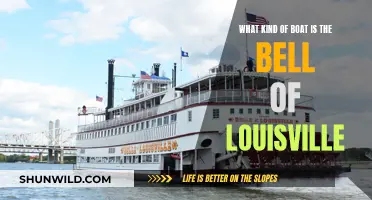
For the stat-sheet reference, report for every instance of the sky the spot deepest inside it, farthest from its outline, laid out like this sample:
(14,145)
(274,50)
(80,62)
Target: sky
(53,54)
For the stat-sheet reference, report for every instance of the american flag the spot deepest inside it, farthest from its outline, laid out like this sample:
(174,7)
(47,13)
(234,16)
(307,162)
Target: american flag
(256,20)
(99,99)
(144,75)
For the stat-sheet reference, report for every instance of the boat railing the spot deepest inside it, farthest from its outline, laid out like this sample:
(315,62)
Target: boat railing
(191,99)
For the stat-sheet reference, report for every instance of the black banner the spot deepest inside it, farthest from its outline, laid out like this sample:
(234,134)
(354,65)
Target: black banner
(242,178)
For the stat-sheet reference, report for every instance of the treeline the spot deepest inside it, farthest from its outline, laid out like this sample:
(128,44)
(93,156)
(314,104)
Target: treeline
(25,158)
(354,154)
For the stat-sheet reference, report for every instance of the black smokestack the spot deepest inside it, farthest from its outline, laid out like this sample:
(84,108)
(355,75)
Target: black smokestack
(172,77)
(175,75)
(156,69)
(110,87)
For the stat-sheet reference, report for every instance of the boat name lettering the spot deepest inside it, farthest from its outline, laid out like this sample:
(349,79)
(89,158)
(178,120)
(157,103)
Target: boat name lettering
(262,120)
(150,147)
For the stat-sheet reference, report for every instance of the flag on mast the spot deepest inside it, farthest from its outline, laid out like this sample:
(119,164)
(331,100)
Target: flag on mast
(253,19)
(99,99)
(183,54)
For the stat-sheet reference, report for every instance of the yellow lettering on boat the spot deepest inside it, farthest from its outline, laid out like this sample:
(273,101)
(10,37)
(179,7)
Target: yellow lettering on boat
(150,147)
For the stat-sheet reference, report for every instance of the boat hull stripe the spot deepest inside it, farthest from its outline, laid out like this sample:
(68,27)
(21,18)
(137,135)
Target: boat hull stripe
(149,141)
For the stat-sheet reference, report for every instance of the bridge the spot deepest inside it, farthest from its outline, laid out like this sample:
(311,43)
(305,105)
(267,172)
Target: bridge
(55,142)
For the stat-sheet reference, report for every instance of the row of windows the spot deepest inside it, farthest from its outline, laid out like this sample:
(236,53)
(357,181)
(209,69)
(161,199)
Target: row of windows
(216,112)
(130,128)
(155,158)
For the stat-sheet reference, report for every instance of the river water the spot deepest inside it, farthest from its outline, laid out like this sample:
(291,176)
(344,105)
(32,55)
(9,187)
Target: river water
(345,189)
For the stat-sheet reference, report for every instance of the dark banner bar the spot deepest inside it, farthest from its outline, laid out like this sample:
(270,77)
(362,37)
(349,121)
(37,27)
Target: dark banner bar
(233,178)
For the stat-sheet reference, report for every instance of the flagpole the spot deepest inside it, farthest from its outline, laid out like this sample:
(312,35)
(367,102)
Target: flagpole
(246,35)
(181,60)
(180,67)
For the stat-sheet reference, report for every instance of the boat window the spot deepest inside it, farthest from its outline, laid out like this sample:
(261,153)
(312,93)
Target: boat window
(258,111)
(275,113)
(232,110)
(159,121)
(147,124)
(116,131)
(112,132)
(132,128)
(166,120)
(294,114)
(267,111)
(216,113)
(190,115)
(123,130)
(105,133)
(147,158)
(142,125)
(119,131)
(111,150)
(249,110)
(173,117)
(156,158)
(307,117)
(137,126)
(153,123)
(285,113)
(127,129)
(241,111)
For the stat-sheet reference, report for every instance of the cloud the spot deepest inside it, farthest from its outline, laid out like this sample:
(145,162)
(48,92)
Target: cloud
(201,26)
(123,62)
(27,106)
(172,21)
(202,68)
(13,5)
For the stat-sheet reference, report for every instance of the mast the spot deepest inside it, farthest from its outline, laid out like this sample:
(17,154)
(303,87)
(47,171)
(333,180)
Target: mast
(246,35)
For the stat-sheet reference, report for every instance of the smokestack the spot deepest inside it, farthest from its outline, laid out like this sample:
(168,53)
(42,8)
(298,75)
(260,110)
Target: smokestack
(172,77)
(175,75)
(156,67)
(110,87)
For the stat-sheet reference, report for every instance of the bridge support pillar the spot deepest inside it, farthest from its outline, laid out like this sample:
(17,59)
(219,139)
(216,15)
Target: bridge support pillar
(56,156)
(62,155)
(40,157)
(50,156)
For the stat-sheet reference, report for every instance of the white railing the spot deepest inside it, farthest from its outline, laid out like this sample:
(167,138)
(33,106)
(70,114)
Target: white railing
(191,99)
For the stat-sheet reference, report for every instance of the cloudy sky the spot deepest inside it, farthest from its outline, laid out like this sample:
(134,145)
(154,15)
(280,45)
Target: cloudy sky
(53,53)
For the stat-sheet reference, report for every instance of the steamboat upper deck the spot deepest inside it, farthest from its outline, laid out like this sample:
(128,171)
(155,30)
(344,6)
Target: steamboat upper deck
(228,87)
